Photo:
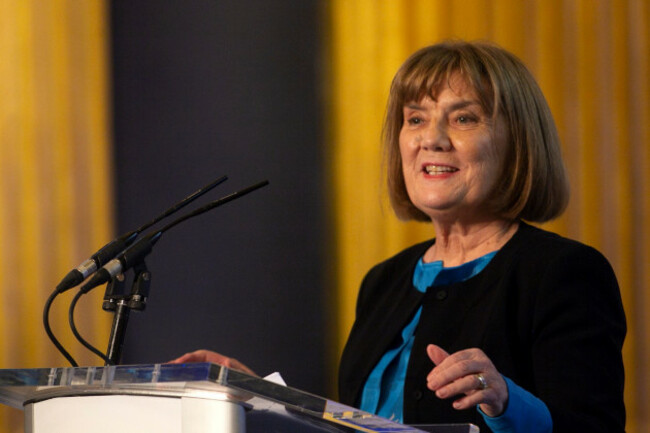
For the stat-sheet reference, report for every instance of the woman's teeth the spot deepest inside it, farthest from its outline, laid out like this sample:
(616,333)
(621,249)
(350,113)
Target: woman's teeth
(437,169)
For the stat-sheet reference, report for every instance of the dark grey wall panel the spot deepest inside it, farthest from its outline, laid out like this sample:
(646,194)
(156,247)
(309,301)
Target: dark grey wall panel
(201,89)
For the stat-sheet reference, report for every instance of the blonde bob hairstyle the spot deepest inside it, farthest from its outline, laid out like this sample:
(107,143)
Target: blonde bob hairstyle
(533,184)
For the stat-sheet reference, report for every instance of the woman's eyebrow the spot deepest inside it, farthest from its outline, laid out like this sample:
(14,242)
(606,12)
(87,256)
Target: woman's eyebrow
(462,104)
(413,106)
(454,106)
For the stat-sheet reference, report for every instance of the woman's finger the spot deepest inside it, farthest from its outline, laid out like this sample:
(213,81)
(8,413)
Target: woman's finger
(436,353)
(213,357)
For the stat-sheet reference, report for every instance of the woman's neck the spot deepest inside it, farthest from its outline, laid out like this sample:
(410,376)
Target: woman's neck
(457,244)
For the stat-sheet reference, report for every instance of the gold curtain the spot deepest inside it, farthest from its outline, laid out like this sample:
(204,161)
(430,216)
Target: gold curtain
(55,188)
(591,58)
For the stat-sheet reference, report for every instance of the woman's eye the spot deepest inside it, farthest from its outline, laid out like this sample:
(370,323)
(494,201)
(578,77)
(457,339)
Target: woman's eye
(414,121)
(465,119)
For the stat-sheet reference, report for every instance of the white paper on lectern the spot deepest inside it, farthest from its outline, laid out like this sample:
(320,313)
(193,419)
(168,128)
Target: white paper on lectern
(265,404)
(276,378)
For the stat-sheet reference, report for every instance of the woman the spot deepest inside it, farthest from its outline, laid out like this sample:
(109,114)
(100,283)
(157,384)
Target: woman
(493,322)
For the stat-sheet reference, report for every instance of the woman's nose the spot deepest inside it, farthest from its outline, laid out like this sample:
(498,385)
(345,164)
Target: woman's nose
(435,138)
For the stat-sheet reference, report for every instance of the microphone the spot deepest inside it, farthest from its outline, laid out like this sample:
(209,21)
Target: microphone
(134,254)
(101,257)
(113,248)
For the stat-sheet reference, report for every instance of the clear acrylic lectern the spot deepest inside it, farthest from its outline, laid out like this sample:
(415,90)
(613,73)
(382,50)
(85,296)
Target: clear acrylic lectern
(179,398)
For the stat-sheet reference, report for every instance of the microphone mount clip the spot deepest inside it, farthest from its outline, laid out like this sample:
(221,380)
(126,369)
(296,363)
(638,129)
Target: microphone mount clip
(121,304)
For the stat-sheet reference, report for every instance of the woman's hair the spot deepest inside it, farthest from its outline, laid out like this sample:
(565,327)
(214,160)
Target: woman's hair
(533,184)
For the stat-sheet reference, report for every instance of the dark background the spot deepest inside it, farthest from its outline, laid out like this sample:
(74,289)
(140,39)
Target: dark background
(203,89)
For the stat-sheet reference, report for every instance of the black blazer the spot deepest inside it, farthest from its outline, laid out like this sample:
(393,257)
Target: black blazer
(546,310)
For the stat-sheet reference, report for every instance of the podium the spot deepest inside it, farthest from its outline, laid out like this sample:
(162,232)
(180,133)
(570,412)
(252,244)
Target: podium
(179,398)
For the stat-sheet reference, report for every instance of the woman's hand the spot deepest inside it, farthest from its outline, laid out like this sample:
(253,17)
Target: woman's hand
(468,372)
(214,357)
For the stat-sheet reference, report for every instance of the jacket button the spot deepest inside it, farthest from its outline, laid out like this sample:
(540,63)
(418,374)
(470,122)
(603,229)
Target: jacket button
(441,295)
(417,394)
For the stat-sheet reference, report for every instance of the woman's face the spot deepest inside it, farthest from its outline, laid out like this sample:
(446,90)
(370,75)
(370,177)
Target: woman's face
(451,154)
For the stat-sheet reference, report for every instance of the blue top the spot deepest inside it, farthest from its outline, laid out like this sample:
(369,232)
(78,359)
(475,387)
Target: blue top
(383,393)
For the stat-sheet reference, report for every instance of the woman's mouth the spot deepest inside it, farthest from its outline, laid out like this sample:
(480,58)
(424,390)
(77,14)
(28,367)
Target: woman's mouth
(438,169)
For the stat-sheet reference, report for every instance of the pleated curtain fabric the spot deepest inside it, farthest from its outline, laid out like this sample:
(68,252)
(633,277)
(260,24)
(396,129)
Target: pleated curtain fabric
(55,175)
(592,60)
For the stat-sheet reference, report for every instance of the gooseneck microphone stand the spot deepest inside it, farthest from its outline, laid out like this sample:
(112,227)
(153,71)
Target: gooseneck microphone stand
(115,298)
(99,259)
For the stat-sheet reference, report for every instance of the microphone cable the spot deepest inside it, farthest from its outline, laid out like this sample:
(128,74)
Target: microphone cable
(76,333)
